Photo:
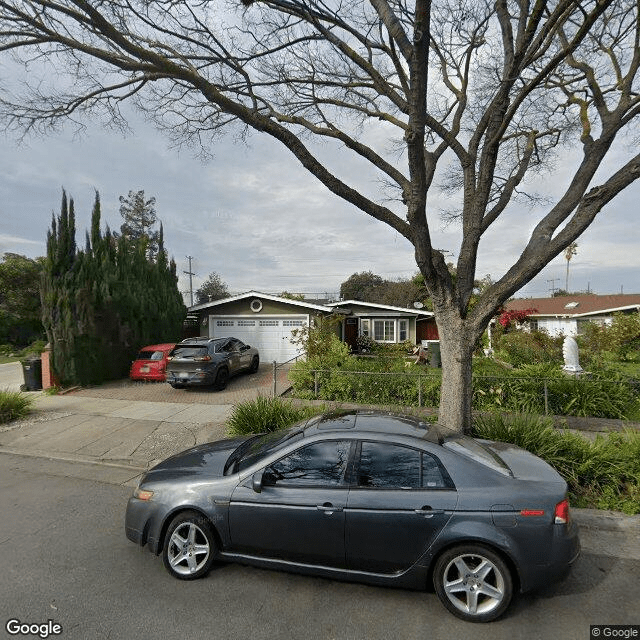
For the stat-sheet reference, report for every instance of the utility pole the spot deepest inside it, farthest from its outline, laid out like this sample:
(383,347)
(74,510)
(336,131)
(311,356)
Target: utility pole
(190,274)
(552,286)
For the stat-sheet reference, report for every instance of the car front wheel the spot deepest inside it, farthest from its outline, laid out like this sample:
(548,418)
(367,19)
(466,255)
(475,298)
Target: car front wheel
(189,546)
(473,582)
(255,363)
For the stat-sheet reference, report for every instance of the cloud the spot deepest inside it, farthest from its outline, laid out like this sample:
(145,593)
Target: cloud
(256,217)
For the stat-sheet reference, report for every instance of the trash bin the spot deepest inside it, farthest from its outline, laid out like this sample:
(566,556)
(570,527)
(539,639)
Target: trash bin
(32,371)
(434,353)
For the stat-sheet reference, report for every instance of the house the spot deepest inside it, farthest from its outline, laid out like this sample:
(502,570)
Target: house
(267,322)
(567,315)
(384,323)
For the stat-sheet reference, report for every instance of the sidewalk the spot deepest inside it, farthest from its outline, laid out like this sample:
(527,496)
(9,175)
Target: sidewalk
(109,431)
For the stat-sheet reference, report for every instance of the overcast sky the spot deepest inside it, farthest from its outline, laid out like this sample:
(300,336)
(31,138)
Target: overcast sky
(256,217)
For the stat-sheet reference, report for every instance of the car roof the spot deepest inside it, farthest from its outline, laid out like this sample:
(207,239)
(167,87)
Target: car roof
(374,421)
(201,340)
(158,347)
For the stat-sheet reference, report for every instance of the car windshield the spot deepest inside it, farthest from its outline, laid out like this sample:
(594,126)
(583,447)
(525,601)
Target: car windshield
(255,449)
(189,352)
(473,449)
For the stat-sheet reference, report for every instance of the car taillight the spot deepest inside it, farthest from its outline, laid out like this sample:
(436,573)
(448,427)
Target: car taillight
(562,512)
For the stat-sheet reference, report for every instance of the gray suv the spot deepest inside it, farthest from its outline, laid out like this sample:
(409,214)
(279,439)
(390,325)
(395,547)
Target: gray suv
(209,362)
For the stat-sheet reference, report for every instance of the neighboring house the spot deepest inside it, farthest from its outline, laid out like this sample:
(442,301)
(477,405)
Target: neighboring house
(267,322)
(567,315)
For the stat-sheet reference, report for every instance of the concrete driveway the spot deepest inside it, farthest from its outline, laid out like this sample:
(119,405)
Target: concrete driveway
(240,389)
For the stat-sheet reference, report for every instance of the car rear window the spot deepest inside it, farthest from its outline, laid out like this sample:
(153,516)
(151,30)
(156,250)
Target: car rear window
(150,355)
(189,352)
(473,449)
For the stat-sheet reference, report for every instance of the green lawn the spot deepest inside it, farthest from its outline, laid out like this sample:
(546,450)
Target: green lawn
(5,359)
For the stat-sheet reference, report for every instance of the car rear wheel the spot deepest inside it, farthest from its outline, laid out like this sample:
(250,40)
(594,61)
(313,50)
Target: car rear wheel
(176,386)
(222,378)
(473,582)
(255,363)
(189,546)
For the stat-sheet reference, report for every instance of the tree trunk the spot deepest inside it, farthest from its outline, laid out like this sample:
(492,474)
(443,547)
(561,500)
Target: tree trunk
(456,349)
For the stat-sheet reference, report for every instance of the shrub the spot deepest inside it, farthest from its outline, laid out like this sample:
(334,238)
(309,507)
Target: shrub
(621,338)
(521,348)
(34,349)
(14,405)
(265,414)
(604,474)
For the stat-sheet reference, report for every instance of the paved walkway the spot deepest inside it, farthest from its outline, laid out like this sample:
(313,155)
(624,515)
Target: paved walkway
(11,376)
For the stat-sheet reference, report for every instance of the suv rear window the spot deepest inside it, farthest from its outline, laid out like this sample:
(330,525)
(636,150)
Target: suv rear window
(189,352)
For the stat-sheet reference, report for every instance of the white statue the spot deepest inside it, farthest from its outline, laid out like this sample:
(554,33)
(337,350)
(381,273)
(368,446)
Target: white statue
(570,353)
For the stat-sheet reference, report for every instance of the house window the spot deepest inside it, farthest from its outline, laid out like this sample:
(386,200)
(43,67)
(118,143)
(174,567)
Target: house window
(293,323)
(384,330)
(533,325)
(403,330)
(365,327)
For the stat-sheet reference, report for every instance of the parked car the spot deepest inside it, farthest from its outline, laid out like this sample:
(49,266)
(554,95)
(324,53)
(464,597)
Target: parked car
(364,496)
(209,361)
(151,362)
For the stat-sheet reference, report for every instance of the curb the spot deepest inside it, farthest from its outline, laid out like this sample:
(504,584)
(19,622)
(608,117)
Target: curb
(33,453)
(607,520)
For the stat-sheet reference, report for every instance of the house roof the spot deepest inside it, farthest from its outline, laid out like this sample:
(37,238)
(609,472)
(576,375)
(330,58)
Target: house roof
(576,305)
(329,307)
(264,296)
(380,307)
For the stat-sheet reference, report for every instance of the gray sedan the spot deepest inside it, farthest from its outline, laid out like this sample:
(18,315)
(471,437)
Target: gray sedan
(366,496)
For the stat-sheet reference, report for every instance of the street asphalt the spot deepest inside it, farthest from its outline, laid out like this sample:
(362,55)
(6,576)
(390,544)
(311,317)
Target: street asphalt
(125,437)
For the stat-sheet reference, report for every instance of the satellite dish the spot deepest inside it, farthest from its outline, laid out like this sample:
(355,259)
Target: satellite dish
(418,305)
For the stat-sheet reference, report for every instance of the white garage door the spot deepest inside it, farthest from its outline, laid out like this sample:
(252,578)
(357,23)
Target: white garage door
(271,335)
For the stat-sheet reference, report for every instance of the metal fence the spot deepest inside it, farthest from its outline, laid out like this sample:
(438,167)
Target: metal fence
(565,395)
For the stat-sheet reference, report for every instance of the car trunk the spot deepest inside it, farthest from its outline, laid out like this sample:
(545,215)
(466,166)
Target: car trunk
(523,465)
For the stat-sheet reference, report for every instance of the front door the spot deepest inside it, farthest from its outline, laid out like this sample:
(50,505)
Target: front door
(351,333)
(299,514)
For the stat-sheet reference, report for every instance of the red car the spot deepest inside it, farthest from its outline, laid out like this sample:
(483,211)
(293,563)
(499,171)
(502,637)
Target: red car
(151,362)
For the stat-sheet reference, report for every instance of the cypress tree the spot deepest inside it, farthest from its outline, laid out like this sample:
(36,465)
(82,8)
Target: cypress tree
(102,304)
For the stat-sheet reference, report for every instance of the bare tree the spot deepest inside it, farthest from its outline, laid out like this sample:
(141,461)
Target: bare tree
(475,96)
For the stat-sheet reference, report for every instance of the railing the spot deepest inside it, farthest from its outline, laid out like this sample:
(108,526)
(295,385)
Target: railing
(279,365)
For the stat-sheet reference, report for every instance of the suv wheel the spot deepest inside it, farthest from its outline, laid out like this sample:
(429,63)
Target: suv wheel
(222,378)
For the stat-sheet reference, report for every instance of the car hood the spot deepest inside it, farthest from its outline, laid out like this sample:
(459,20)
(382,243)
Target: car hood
(208,458)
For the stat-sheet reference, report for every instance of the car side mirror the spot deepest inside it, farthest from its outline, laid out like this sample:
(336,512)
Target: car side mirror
(245,347)
(256,481)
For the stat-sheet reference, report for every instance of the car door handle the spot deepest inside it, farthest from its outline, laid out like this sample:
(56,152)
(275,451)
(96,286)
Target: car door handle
(428,512)
(328,508)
